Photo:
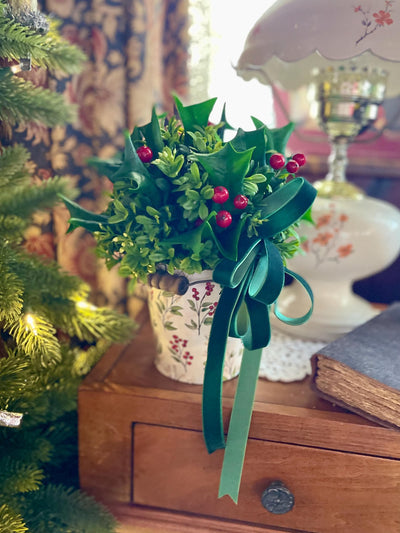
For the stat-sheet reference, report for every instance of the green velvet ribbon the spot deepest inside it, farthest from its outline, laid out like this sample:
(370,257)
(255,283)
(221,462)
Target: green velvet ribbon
(250,287)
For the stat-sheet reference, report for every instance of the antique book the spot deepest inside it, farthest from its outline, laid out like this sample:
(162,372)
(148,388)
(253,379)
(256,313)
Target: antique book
(361,370)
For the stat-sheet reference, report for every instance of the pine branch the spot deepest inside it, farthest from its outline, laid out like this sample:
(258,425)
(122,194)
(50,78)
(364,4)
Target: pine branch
(23,201)
(12,230)
(16,476)
(55,509)
(21,101)
(12,165)
(49,51)
(10,521)
(26,446)
(35,336)
(11,291)
(90,323)
(86,359)
(44,282)
(62,435)
(13,374)
(48,392)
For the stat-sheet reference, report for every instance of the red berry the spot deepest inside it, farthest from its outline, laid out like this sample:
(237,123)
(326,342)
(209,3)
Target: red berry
(145,154)
(221,194)
(198,222)
(300,159)
(292,166)
(277,161)
(223,219)
(240,201)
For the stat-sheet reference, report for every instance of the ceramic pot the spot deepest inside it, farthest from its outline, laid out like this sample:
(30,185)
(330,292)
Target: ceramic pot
(182,327)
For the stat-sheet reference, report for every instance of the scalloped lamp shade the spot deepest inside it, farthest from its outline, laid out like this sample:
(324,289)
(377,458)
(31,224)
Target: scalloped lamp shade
(295,36)
(355,48)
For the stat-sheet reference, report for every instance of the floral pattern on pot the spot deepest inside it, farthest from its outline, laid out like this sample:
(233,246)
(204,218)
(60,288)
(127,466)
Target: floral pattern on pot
(182,327)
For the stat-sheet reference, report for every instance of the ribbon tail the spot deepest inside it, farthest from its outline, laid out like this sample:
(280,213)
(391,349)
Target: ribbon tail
(239,425)
(213,430)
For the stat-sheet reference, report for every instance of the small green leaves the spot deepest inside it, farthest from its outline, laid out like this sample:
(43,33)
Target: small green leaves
(163,208)
(169,162)
(120,213)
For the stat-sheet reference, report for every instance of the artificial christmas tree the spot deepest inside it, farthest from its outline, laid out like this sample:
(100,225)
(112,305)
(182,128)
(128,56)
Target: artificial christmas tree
(50,335)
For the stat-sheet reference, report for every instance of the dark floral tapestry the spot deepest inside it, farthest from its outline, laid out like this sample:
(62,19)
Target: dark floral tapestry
(137,51)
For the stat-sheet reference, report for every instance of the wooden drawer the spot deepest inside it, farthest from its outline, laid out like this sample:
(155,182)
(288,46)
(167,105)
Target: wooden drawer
(334,492)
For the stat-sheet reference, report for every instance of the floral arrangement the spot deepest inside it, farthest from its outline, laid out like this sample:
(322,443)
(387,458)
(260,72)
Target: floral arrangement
(183,198)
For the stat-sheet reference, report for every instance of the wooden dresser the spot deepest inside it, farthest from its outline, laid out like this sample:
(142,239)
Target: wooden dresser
(142,454)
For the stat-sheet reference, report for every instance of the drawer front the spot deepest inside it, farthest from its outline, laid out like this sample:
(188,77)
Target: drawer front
(334,492)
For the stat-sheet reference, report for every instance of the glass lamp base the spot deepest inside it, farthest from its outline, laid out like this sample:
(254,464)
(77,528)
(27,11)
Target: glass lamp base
(350,240)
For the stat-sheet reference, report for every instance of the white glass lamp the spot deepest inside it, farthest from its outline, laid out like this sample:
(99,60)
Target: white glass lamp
(348,54)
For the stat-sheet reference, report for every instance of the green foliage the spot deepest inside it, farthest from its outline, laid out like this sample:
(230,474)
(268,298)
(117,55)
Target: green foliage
(21,102)
(10,521)
(50,336)
(162,211)
(64,511)
(49,51)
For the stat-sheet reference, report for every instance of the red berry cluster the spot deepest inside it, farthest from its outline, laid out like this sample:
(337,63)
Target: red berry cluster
(177,341)
(209,288)
(177,345)
(278,161)
(212,308)
(195,294)
(221,195)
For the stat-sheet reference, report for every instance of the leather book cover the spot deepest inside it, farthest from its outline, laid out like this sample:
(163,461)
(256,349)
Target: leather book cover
(361,370)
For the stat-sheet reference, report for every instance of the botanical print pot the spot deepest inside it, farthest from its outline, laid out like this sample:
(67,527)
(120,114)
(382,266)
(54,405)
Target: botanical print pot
(182,327)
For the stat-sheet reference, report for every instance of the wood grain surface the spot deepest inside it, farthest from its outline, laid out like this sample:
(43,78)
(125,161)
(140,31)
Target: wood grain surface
(139,429)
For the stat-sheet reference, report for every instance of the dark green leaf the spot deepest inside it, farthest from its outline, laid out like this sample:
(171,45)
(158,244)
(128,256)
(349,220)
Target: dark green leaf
(226,167)
(152,134)
(194,116)
(251,139)
(81,217)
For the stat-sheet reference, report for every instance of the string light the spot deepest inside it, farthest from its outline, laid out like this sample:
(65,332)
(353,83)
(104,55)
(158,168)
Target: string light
(82,304)
(30,324)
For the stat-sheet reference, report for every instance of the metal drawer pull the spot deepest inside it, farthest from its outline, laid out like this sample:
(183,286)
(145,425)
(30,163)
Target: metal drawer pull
(277,498)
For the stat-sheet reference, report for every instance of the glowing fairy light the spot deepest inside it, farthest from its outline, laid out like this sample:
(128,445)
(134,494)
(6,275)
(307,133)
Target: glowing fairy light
(84,305)
(30,324)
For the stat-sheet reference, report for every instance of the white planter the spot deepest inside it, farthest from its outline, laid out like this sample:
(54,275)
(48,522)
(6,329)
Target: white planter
(182,327)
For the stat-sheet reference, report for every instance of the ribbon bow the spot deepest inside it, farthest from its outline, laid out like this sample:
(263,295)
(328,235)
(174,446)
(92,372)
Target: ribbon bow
(251,286)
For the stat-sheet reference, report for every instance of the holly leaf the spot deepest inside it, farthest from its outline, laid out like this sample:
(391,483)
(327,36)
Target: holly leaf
(106,167)
(227,241)
(131,163)
(224,123)
(81,217)
(196,115)
(277,138)
(308,216)
(133,169)
(280,137)
(191,239)
(226,167)
(251,139)
(152,134)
